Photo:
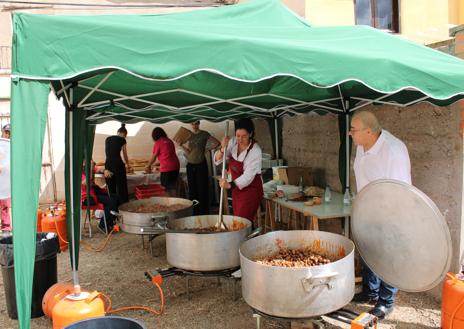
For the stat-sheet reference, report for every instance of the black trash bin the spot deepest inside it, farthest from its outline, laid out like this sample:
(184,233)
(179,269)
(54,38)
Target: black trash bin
(45,271)
(105,322)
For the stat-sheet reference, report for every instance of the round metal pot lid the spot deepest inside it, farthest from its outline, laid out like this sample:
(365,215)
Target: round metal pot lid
(401,235)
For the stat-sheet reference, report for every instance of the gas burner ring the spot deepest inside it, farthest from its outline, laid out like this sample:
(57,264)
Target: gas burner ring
(174,271)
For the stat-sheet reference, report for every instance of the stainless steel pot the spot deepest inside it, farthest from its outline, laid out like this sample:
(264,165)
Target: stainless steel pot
(133,222)
(297,292)
(208,251)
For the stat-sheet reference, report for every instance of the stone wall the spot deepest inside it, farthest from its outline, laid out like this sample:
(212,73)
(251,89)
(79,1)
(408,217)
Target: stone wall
(313,141)
(434,139)
(458,34)
(263,136)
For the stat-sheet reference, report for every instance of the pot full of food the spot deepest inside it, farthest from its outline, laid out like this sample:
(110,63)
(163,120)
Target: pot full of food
(297,274)
(145,213)
(208,247)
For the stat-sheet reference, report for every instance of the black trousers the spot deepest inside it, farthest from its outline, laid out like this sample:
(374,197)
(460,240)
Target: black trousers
(169,179)
(110,203)
(117,185)
(198,186)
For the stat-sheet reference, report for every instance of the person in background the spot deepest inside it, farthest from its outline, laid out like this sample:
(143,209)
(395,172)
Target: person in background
(197,167)
(379,155)
(116,178)
(244,157)
(5,187)
(6,131)
(165,151)
(99,195)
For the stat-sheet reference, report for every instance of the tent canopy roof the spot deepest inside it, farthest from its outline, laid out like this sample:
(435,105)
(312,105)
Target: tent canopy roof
(252,59)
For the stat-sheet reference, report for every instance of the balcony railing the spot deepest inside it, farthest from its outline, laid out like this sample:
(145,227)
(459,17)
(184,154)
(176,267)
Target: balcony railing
(5,58)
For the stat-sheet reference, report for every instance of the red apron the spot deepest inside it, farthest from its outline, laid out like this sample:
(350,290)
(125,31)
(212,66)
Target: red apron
(245,202)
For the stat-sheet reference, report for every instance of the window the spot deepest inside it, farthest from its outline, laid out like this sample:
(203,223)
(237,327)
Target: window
(381,14)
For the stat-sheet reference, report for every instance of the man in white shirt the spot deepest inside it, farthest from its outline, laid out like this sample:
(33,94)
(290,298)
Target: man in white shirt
(379,155)
(5,191)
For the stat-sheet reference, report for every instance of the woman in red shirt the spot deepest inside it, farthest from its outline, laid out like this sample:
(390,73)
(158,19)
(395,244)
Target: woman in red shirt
(165,151)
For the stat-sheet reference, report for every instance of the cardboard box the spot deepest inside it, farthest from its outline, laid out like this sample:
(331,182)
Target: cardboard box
(294,174)
(279,173)
(182,135)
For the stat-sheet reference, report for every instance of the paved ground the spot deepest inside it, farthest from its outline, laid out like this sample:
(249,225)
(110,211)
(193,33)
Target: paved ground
(118,271)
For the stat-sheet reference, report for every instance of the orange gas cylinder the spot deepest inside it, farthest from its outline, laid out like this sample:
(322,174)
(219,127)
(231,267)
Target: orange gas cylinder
(39,220)
(61,209)
(53,295)
(75,308)
(56,222)
(452,307)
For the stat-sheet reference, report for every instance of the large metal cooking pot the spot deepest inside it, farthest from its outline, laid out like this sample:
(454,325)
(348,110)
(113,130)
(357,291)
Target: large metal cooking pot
(297,292)
(206,251)
(133,222)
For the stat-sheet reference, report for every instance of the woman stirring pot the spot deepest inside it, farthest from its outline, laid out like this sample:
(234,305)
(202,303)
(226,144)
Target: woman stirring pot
(244,157)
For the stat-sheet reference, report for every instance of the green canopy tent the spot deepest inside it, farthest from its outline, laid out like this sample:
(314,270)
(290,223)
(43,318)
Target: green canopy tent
(256,59)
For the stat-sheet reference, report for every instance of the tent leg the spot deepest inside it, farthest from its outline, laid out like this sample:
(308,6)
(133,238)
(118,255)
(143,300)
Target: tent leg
(71,194)
(276,133)
(347,151)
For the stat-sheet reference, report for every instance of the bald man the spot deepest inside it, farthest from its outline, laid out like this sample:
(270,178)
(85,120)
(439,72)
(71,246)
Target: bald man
(379,155)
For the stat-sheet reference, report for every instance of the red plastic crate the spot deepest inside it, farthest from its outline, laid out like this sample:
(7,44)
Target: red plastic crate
(148,191)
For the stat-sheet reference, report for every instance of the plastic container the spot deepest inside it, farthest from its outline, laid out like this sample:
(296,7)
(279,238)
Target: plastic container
(148,191)
(327,194)
(301,186)
(347,197)
(56,222)
(452,303)
(45,271)
(113,322)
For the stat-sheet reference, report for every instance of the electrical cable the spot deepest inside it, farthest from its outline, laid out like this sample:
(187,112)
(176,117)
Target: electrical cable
(136,307)
(109,309)
(85,244)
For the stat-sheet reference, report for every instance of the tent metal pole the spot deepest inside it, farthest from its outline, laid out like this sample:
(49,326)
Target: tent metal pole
(276,132)
(346,110)
(370,101)
(347,150)
(347,165)
(71,186)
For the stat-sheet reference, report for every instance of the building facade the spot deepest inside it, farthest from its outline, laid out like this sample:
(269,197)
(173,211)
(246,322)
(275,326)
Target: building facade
(422,21)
